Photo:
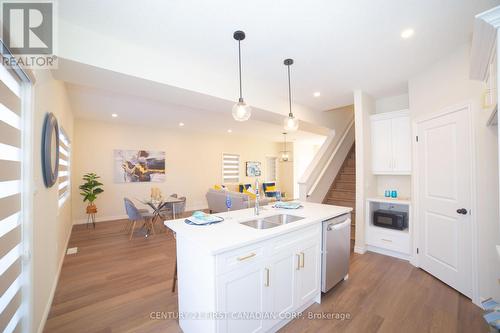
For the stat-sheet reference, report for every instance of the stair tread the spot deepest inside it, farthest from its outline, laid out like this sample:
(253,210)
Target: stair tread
(342,190)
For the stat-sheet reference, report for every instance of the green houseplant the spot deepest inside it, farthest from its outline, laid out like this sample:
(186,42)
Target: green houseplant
(91,188)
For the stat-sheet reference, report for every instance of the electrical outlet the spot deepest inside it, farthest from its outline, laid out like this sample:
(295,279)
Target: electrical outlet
(72,250)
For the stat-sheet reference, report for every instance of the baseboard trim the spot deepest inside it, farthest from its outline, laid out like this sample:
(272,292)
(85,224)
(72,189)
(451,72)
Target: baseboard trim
(54,286)
(123,216)
(101,219)
(359,249)
(388,252)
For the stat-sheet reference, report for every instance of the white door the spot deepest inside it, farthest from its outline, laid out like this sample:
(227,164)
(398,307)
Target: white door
(401,145)
(444,198)
(308,273)
(242,292)
(381,146)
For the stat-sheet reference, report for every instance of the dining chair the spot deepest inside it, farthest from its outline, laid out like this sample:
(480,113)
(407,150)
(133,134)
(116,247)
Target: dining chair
(168,206)
(180,207)
(135,215)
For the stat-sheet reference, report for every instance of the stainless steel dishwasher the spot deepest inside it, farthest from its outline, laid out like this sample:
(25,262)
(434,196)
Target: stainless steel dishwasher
(336,249)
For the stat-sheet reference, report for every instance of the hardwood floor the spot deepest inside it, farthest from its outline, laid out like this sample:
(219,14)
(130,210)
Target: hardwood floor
(113,285)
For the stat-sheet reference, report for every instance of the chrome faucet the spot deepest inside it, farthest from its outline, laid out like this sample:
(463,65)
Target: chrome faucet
(257,196)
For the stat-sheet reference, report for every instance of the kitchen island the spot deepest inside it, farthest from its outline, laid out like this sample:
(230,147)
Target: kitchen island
(233,277)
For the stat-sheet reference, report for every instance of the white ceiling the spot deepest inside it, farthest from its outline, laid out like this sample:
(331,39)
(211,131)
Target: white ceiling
(96,94)
(337,45)
(96,104)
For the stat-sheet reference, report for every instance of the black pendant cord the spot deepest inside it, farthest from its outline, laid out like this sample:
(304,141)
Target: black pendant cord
(289,94)
(239,65)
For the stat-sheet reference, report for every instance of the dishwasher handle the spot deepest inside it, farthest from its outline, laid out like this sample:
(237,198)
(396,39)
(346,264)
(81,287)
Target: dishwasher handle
(338,226)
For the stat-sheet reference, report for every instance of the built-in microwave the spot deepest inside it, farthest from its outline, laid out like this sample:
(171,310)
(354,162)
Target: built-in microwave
(390,219)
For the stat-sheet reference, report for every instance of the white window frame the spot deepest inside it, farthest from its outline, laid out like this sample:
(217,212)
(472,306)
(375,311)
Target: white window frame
(225,167)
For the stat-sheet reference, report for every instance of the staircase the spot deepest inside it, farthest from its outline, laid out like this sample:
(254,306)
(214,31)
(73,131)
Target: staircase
(343,189)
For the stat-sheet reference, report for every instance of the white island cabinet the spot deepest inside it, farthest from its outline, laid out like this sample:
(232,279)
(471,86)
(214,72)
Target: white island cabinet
(234,278)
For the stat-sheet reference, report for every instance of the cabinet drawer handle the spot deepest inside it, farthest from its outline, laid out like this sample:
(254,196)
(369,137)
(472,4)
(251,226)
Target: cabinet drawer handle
(302,259)
(386,240)
(298,262)
(246,257)
(267,278)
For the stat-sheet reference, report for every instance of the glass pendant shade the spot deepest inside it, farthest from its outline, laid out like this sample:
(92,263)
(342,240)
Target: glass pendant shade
(285,157)
(241,111)
(291,123)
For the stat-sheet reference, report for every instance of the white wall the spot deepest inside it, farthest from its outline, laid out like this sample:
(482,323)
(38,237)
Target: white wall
(193,162)
(445,84)
(392,103)
(366,183)
(51,225)
(303,153)
(402,184)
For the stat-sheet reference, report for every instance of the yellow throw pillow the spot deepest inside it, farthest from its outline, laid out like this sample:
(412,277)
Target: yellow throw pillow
(219,187)
(271,188)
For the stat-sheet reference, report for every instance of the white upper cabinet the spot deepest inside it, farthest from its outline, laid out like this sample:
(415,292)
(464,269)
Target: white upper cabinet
(391,143)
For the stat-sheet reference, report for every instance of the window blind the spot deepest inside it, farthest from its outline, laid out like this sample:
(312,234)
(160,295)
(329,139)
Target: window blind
(230,168)
(11,310)
(64,176)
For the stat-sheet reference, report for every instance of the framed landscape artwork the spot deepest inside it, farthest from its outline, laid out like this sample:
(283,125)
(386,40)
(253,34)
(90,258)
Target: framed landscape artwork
(253,169)
(133,166)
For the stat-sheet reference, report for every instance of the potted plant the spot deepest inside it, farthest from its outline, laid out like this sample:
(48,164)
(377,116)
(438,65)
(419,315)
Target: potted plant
(90,189)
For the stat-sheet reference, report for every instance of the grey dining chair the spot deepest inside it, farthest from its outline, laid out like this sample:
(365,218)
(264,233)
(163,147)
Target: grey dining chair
(180,207)
(135,215)
(168,211)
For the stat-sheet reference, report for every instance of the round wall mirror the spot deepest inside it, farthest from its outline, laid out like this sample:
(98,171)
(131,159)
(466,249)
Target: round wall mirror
(50,150)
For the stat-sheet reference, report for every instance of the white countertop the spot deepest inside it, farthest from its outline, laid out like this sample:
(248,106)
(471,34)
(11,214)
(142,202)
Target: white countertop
(230,234)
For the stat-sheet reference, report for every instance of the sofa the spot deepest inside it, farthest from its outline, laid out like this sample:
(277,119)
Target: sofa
(217,200)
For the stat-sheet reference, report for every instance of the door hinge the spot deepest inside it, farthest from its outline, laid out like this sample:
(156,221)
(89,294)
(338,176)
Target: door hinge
(416,138)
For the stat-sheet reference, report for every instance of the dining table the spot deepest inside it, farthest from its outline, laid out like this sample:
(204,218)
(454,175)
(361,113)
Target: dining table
(158,206)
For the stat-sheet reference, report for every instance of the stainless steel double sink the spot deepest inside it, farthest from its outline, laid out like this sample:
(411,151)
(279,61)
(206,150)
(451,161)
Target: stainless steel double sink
(272,221)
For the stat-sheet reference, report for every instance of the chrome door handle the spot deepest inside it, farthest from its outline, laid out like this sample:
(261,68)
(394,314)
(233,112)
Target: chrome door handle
(298,262)
(267,278)
(302,260)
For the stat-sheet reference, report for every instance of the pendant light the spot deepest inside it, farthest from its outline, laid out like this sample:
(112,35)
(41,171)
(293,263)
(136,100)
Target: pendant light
(285,154)
(241,111)
(291,123)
